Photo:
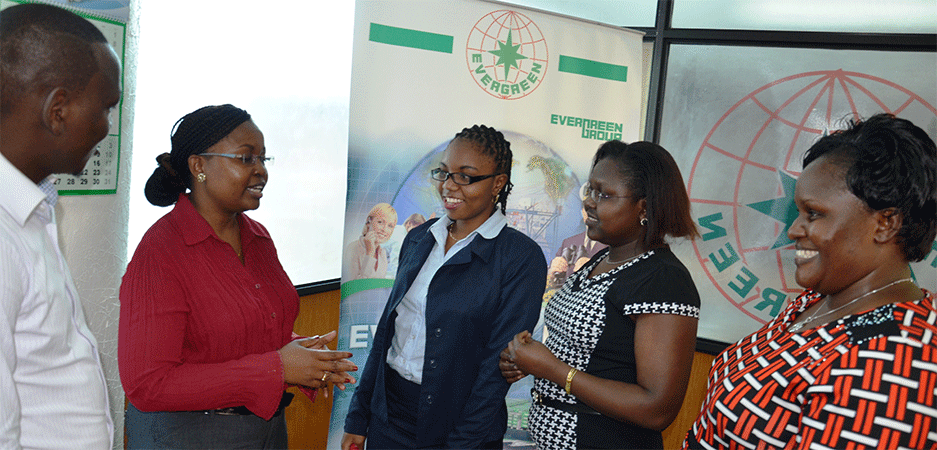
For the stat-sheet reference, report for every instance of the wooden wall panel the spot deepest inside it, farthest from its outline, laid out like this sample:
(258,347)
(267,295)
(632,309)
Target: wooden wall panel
(695,393)
(307,421)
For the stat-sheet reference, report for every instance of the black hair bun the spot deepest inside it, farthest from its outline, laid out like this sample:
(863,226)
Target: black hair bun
(163,189)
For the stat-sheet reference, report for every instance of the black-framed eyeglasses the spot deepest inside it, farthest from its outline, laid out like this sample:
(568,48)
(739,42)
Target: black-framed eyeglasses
(597,196)
(458,177)
(247,160)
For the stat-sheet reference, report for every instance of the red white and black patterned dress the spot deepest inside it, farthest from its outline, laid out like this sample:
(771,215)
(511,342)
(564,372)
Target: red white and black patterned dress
(589,329)
(864,381)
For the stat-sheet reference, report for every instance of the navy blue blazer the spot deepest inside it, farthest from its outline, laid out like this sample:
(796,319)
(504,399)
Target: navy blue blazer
(478,300)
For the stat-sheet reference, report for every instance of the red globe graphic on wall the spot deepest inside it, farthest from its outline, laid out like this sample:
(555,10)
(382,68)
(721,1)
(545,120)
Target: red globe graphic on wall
(742,179)
(506,54)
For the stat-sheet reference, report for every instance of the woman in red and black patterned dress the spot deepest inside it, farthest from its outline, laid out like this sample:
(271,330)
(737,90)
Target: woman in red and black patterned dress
(852,362)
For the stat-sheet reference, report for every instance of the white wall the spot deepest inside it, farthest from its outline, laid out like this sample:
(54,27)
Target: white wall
(93,233)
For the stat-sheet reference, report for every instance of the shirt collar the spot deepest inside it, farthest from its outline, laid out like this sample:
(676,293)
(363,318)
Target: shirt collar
(488,230)
(196,229)
(22,195)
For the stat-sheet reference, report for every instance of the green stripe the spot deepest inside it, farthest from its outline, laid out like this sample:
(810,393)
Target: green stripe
(410,38)
(595,69)
(80,192)
(364,284)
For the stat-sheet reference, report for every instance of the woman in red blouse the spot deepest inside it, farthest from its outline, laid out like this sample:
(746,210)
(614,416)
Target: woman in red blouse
(852,362)
(206,347)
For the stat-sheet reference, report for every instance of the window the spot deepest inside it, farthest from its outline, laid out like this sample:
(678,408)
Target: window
(738,120)
(290,67)
(879,16)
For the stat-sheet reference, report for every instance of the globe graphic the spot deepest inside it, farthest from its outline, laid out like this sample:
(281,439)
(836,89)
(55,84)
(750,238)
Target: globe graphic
(507,45)
(742,179)
(544,203)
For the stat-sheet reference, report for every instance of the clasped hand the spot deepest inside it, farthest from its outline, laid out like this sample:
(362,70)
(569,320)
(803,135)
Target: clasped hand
(525,356)
(308,362)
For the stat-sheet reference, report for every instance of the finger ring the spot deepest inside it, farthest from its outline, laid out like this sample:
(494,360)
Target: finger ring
(325,375)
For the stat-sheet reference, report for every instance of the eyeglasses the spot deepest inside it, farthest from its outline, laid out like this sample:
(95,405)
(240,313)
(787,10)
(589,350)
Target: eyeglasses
(458,177)
(597,196)
(247,160)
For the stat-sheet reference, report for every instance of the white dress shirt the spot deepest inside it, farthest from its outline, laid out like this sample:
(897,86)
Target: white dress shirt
(52,388)
(408,346)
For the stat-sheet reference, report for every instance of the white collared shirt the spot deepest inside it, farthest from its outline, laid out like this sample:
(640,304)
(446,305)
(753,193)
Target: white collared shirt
(409,344)
(53,392)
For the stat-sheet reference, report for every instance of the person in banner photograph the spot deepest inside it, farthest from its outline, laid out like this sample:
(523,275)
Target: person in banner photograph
(852,361)
(393,245)
(622,329)
(205,345)
(579,245)
(366,257)
(466,284)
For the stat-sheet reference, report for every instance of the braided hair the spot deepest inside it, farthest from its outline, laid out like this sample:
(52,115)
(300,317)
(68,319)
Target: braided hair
(192,134)
(492,143)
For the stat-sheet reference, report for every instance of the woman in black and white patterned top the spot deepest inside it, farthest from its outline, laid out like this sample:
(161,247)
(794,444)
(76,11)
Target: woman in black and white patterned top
(622,329)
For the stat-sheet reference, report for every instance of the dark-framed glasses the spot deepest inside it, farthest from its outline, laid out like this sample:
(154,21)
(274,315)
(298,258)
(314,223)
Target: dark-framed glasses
(597,196)
(458,177)
(247,160)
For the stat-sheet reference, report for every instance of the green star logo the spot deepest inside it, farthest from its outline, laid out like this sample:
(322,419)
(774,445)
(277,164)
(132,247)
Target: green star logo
(782,209)
(508,55)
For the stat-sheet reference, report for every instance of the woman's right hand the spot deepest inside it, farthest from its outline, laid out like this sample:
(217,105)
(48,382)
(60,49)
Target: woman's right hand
(352,442)
(370,242)
(315,367)
(316,342)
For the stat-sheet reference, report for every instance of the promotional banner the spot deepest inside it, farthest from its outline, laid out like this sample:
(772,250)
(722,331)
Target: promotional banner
(555,86)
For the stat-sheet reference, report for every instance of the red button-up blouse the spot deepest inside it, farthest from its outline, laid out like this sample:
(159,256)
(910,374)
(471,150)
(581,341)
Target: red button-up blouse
(198,329)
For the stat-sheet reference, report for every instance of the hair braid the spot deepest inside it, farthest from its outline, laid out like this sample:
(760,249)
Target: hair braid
(192,134)
(493,144)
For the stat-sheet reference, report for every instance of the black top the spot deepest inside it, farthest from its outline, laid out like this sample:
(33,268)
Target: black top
(588,328)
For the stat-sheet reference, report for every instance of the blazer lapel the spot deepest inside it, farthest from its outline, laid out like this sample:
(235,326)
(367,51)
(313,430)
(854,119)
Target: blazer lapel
(408,270)
(481,247)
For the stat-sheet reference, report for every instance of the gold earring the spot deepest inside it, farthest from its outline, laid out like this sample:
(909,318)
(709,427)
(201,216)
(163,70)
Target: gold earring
(200,177)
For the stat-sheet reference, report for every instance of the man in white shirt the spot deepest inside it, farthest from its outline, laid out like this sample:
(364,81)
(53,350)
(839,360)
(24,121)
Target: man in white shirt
(59,80)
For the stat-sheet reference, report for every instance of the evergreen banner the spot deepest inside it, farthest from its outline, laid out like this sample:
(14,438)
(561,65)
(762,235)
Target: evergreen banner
(422,71)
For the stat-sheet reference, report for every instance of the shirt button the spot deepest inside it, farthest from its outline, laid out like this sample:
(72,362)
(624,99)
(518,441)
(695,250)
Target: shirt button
(274,315)
(257,286)
(439,332)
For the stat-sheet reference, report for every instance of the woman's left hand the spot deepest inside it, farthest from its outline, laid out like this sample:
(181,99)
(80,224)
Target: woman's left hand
(317,342)
(531,356)
(509,370)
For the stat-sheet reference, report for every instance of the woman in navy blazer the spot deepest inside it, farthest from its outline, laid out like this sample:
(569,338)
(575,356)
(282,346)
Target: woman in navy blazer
(466,284)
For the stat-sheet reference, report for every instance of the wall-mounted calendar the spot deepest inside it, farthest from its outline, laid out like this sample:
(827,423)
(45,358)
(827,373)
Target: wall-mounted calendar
(100,175)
